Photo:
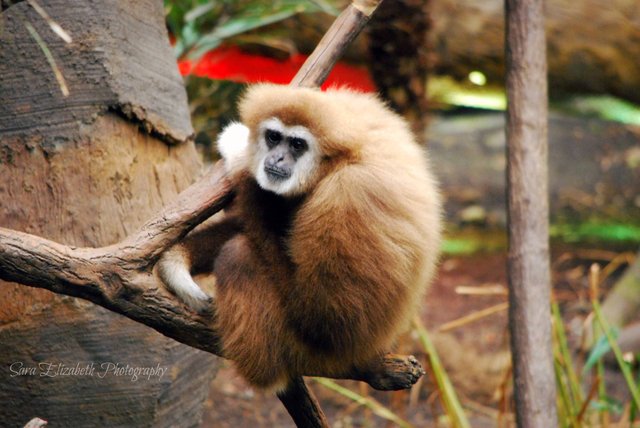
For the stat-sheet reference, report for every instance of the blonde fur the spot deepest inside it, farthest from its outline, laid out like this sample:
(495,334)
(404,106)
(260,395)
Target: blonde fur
(323,280)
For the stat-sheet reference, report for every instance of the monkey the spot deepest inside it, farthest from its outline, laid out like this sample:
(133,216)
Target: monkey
(330,242)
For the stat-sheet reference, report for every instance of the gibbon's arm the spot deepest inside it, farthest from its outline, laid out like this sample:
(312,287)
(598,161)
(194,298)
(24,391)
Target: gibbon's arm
(345,248)
(196,254)
(198,251)
(174,271)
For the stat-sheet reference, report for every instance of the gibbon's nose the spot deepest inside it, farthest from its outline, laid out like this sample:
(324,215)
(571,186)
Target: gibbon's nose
(277,160)
(278,166)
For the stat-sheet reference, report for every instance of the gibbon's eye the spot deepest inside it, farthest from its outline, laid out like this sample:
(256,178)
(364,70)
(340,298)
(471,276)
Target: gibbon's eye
(298,144)
(272,137)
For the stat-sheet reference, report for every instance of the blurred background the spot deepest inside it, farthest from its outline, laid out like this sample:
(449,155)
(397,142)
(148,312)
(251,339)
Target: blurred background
(440,63)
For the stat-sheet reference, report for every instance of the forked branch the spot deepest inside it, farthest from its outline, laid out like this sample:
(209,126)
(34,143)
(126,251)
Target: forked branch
(121,277)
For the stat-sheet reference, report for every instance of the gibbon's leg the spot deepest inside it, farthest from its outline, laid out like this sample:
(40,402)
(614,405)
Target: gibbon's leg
(194,255)
(408,373)
(250,317)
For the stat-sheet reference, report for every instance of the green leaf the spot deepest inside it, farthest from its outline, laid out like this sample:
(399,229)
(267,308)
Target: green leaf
(600,348)
(453,246)
(603,106)
(254,15)
(198,11)
(609,404)
(448,394)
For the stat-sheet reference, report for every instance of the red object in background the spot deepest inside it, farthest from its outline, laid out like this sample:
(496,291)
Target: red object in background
(230,63)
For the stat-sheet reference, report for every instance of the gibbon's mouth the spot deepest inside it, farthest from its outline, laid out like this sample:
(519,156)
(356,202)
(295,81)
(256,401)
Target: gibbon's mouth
(277,173)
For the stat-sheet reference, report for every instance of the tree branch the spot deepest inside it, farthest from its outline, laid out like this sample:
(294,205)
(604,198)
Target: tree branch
(121,277)
(342,32)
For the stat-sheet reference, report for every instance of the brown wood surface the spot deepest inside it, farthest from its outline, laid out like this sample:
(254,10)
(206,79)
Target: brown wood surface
(87,170)
(528,215)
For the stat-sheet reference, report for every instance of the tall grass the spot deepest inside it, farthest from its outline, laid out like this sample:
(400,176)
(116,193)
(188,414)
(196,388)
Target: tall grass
(584,400)
(583,397)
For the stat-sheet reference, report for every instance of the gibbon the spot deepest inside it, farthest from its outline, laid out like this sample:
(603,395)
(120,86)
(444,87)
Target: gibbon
(330,242)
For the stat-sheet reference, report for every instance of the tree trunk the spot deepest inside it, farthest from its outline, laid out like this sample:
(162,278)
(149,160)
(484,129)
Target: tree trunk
(86,170)
(529,272)
(592,45)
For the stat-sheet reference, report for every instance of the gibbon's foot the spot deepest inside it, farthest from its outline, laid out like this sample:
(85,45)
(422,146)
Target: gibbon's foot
(393,372)
(207,307)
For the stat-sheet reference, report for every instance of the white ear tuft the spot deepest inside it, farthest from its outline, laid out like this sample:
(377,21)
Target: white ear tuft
(233,146)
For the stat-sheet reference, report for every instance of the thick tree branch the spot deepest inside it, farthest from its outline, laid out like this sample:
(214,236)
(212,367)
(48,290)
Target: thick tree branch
(121,277)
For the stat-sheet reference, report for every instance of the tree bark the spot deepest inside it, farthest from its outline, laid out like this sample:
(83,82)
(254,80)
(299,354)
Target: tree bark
(593,45)
(78,169)
(529,272)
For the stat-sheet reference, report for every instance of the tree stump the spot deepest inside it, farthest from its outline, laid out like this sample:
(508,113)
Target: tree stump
(85,170)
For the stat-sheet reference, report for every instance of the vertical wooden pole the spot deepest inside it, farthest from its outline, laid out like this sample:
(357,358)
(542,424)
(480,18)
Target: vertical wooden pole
(528,213)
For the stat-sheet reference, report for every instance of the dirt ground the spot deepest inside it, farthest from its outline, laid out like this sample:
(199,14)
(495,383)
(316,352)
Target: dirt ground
(475,354)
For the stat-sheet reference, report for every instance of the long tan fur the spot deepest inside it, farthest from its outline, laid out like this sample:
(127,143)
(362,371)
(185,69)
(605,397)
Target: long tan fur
(325,282)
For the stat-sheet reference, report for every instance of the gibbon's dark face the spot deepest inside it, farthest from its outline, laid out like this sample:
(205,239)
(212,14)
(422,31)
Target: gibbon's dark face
(284,151)
(287,157)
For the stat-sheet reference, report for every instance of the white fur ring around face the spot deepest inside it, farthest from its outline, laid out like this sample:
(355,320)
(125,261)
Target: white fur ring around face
(233,144)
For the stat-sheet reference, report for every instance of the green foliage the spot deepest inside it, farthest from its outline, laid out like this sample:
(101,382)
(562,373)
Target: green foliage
(602,106)
(466,241)
(607,404)
(596,231)
(470,240)
(448,396)
(460,246)
(213,105)
(377,408)
(624,365)
(199,26)
(574,409)
(202,25)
